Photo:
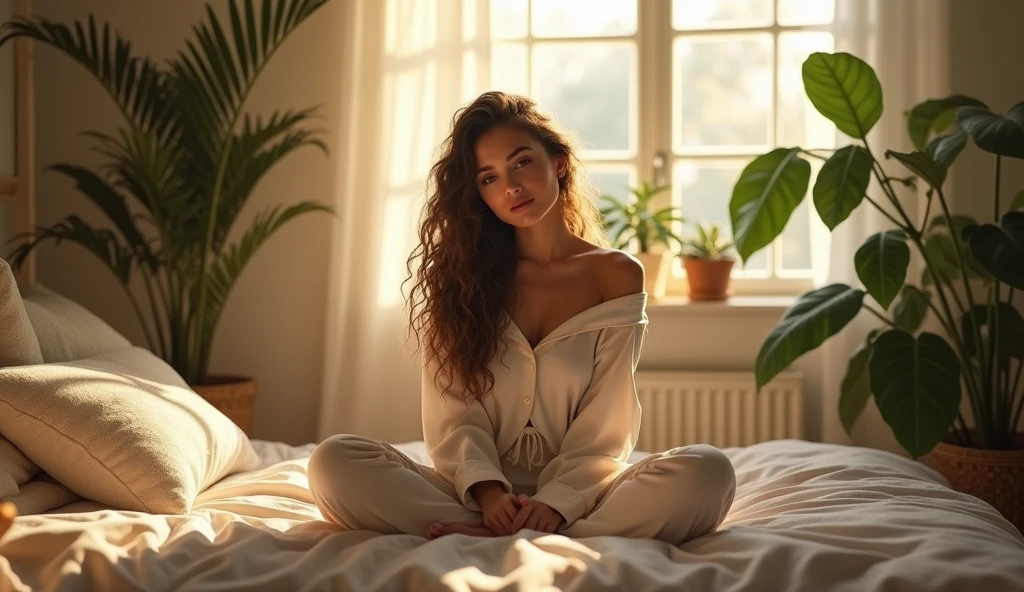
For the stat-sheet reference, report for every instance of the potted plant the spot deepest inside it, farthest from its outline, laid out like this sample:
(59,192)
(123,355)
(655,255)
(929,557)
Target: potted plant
(648,232)
(177,173)
(708,268)
(971,271)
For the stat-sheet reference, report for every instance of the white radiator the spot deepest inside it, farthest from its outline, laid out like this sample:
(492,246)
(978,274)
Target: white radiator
(717,408)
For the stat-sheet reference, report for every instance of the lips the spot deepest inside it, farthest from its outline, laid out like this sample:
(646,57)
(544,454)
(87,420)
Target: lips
(522,205)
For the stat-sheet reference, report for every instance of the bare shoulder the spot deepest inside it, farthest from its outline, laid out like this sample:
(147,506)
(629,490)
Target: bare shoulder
(620,273)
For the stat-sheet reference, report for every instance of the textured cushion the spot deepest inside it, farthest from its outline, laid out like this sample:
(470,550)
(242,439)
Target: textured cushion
(66,330)
(121,428)
(19,346)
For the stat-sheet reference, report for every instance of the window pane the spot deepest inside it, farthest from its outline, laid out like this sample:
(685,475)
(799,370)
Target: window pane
(508,19)
(583,18)
(703,190)
(588,87)
(613,182)
(705,14)
(722,92)
(799,123)
(806,12)
(796,238)
(509,68)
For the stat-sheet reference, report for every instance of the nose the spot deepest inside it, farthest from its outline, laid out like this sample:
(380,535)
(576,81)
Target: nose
(512,188)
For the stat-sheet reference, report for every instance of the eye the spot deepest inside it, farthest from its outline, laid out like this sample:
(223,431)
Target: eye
(523,162)
(487,180)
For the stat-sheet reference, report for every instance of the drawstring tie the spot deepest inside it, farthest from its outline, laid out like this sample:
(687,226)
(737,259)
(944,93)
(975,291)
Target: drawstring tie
(534,448)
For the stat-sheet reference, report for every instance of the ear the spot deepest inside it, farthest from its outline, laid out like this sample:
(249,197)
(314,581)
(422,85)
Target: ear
(561,166)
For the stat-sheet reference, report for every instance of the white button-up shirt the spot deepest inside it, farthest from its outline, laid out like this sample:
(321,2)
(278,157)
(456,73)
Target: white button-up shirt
(576,387)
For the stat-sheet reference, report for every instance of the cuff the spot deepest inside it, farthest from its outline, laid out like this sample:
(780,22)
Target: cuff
(472,472)
(563,499)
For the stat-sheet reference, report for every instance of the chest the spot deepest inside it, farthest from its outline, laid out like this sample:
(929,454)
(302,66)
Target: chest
(547,300)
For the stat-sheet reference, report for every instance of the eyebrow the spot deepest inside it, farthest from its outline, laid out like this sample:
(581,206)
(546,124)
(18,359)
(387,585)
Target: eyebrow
(507,158)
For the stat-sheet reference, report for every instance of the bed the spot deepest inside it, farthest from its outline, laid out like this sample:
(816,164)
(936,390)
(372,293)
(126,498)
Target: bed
(807,516)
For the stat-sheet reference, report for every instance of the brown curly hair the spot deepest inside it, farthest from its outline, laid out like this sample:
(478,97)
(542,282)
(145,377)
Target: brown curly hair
(466,254)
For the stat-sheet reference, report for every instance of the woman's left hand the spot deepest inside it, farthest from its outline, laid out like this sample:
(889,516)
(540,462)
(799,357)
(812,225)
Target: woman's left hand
(536,516)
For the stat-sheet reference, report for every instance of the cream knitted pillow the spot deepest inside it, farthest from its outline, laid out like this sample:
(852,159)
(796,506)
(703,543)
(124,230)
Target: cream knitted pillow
(121,428)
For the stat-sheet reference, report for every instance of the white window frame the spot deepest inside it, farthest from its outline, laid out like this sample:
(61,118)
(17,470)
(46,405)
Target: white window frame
(651,124)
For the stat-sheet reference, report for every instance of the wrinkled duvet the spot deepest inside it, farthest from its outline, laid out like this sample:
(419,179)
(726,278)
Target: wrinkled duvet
(807,516)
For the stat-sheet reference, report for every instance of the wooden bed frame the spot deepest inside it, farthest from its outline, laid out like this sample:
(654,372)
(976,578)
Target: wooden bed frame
(17,191)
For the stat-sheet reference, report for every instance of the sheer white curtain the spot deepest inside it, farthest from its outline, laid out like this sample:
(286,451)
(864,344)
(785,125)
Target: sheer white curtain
(907,43)
(410,65)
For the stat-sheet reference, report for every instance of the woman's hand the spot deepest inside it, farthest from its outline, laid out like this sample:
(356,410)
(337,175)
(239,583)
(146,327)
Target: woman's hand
(536,516)
(500,510)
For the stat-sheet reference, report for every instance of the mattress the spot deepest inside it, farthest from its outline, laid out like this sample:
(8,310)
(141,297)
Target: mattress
(807,516)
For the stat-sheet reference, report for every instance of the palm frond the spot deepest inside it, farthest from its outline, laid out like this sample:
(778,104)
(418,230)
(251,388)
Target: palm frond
(113,204)
(136,83)
(100,242)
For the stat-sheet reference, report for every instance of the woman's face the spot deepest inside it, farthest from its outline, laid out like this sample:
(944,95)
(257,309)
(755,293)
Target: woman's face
(516,176)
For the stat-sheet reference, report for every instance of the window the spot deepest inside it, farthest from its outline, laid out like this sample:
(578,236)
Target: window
(700,86)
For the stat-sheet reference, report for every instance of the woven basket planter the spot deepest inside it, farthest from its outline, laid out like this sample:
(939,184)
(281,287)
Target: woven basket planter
(234,396)
(993,476)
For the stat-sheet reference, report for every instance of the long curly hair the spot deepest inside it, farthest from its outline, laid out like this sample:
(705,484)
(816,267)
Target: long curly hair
(466,259)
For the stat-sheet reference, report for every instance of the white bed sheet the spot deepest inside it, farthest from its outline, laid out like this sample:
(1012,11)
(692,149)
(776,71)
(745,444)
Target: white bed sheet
(807,516)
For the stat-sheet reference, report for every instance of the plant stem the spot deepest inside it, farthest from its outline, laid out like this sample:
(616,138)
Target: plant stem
(880,316)
(887,215)
(138,314)
(1015,415)
(156,316)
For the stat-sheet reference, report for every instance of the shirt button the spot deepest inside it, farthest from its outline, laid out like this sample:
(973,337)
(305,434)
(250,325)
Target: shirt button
(527,401)
(529,367)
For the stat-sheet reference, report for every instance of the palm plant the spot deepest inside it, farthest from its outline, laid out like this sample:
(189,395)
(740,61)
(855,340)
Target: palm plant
(188,157)
(626,222)
(708,244)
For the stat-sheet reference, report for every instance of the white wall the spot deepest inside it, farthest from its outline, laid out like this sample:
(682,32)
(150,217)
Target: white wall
(274,326)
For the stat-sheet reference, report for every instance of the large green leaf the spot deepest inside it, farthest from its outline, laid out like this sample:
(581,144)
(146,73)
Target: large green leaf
(998,134)
(816,316)
(881,264)
(842,184)
(1011,328)
(1000,248)
(768,191)
(934,115)
(922,165)
(911,308)
(944,149)
(845,89)
(942,259)
(855,389)
(916,383)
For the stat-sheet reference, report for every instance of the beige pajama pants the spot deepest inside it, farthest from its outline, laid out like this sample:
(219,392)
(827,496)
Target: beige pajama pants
(673,496)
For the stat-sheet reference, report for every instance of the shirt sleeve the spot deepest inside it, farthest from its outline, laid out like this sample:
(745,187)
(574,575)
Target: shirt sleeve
(604,431)
(459,439)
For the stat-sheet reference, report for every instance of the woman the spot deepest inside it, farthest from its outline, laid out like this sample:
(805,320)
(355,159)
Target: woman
(531,332)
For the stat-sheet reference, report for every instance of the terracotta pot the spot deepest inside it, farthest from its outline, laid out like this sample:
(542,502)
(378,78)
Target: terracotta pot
(7,515)
(708,278)
(234,396)
(993,476)
(656,270)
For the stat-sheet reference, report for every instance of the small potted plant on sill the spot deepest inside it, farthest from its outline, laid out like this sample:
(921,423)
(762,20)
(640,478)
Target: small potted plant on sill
(648,234)
(177,174)
(960,392)
(708,268)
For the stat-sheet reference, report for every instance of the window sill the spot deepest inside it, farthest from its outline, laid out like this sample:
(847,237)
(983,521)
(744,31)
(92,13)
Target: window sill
(736,304)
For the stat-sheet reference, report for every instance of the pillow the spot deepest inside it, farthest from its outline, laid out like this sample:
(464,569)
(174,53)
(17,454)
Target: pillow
(19,346)
(122,429)
(66,330)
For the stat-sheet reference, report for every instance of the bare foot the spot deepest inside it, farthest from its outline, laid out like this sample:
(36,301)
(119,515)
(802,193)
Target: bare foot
(439,530)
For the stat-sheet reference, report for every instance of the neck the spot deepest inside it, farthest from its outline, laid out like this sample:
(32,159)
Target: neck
(546,241)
